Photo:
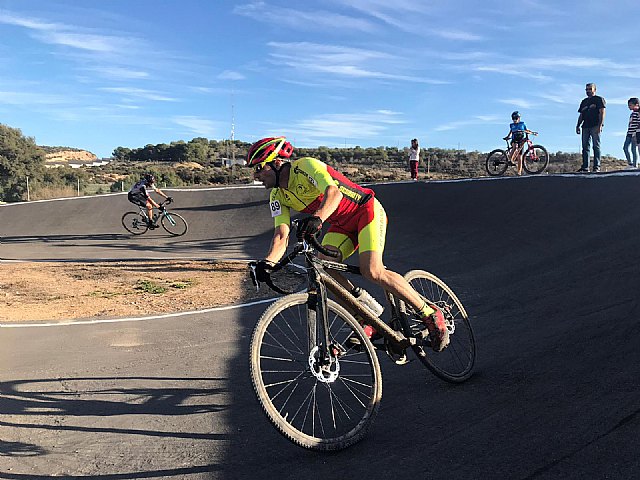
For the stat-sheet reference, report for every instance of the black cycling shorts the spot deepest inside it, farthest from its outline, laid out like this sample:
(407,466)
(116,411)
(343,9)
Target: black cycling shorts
(137,199)
(518,137)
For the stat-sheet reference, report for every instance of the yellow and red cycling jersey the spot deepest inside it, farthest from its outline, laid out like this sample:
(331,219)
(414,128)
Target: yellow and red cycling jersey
(359,220)
(308,180)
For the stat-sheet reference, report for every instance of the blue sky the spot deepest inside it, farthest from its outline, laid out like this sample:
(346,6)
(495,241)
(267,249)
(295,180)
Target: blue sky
(100,74)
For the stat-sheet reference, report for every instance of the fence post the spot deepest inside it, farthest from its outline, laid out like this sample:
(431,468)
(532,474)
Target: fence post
(28,195)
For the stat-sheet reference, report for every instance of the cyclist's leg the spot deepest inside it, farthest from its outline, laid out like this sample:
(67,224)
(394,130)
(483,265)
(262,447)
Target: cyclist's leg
(518,153)
(337,240)
(371,239)
(149,210)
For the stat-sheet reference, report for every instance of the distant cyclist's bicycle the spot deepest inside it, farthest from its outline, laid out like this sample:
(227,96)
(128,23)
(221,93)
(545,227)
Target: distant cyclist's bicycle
(534,159)
(314,369)
(138,223)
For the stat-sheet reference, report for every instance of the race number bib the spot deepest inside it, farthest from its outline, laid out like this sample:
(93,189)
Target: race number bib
(276,208)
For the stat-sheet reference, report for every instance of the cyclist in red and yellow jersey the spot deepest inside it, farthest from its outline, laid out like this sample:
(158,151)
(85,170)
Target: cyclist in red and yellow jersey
(357,221)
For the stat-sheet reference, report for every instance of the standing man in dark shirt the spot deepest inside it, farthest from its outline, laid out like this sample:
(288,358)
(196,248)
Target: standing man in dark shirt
(591,119)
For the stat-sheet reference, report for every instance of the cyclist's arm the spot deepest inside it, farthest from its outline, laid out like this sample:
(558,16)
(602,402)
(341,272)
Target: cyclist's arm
(330,202)
(145,191)
(160,192)
(278,243)
(317,172)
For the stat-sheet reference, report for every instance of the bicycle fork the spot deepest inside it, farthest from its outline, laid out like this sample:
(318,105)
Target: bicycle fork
(323,353)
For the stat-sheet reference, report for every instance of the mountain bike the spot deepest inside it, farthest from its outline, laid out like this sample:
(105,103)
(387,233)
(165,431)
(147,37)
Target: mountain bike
(137,223)
(314,369)
(534,158)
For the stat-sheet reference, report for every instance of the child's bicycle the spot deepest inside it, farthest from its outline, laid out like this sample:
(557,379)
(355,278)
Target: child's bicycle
(137,223)
(534,158)
(316,372)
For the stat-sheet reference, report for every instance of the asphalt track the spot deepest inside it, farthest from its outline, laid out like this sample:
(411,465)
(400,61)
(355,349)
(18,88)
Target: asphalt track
(547,267)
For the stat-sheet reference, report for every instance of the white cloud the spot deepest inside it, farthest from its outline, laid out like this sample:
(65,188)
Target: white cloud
(231,75)
(30,98)
(355,126)
(197,125)
(462,124)
(66,35)
(518,102)
(302,20)
(457,35)
(139,93)
(312,58)
(119,73)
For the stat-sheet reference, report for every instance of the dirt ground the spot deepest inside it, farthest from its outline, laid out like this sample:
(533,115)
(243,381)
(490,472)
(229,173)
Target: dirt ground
(67,291)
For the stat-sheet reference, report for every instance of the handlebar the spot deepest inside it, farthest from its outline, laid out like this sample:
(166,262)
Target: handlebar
(303,245)
(527,134)
(168,201)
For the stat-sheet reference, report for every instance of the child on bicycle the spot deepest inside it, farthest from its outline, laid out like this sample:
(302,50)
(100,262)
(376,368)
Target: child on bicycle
(518,133)
(140,195)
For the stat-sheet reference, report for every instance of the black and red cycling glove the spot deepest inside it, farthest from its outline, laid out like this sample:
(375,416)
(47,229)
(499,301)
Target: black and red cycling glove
(309,226)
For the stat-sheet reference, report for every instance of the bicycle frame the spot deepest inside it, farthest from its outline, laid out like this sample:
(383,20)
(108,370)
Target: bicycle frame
(511,148)
(320,281)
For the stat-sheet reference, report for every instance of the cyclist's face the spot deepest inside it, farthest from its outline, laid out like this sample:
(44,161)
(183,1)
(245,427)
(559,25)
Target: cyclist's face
(590,91)
(266,175)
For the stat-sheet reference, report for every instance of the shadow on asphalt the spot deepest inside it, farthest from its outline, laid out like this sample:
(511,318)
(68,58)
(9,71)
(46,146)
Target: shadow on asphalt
(547,269)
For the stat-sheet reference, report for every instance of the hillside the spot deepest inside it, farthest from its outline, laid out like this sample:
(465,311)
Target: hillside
(62,156)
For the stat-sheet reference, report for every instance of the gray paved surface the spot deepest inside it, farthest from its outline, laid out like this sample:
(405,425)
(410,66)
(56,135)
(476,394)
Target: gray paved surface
(546,266)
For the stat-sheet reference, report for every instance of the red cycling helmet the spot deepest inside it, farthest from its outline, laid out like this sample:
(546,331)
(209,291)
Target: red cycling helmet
(267,150)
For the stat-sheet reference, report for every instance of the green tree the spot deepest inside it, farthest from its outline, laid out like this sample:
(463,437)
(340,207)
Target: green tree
(19,157)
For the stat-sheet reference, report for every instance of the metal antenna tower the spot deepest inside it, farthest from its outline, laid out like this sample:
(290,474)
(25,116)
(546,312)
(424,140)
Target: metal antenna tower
(233,130)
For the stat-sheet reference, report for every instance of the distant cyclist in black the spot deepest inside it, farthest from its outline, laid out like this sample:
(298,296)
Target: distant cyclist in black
(140,195)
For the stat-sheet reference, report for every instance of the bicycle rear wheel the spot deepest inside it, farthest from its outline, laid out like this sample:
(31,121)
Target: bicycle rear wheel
(318,407)
(535,159)
(497,163)
(134,223)
(455,363)
(174,224)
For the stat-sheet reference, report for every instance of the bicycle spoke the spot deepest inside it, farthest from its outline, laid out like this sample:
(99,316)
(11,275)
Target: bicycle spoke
(455,362)
(315,394)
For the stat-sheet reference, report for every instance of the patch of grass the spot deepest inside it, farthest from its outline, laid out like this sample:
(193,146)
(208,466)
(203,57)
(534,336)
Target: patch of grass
(103,294)
(182,284)
(148,286)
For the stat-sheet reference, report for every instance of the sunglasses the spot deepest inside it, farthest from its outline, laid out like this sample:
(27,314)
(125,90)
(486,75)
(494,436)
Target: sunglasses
(258,168)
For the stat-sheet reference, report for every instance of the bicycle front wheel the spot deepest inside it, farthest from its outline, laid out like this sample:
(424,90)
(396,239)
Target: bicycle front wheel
(174,224)
(497,163)
(455,363)
(134,223)
(535,159)
(319,398)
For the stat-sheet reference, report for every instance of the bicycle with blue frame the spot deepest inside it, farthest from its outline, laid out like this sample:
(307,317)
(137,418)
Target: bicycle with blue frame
(314,369)
(138,223)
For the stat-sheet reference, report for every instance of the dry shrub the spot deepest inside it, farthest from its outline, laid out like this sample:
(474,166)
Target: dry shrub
(45,193)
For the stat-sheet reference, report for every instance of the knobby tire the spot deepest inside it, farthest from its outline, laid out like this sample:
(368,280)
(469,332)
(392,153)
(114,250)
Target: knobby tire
(314,414)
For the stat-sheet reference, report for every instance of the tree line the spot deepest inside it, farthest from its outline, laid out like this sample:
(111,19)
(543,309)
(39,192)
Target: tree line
(201,161)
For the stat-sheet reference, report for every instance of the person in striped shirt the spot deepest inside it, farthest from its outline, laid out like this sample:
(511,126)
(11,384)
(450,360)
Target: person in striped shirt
(633,132)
